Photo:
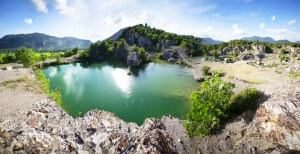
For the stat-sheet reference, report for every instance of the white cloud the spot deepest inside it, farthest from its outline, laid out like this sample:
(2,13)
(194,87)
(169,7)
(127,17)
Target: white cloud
(28,21)
(291,22)
(238,30)
(215,15)
(204,9)
(40,5)
(273,18)
(277,31)
(62,7)
(246,1)
(262,25)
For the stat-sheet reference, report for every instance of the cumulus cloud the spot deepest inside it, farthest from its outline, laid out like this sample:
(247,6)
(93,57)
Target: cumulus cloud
(291,22)
(40,5)
(62,7)
(238,30)
(28,21)
(273,18)
(262,25)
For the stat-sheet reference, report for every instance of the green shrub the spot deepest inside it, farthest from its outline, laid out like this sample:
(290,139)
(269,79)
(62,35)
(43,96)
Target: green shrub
(209,106)
(27,56)
(141,53)
(160,56)
(294,74)
(284,58)
(243,101)
(206,58)
(274,64)
(84,55)
(45,86)
(205,70)
(282,51)
(58,59)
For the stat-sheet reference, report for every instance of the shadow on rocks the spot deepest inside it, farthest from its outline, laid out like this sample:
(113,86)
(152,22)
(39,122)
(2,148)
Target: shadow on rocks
(246,115)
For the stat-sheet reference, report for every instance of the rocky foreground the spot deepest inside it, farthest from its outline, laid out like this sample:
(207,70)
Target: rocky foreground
(43,127)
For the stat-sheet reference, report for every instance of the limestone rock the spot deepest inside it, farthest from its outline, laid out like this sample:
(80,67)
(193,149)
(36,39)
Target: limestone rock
(260,48)
(278,119)
(133,59)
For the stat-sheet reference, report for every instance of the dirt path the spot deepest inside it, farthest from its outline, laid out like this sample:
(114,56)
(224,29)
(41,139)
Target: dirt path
(18,90)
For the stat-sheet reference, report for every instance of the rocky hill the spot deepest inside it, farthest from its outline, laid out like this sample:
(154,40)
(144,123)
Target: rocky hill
(41,42)
(258,38)
(133,43)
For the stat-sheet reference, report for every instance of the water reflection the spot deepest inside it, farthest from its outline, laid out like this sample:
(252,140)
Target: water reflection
(71,81)
(53,72)
(122,80)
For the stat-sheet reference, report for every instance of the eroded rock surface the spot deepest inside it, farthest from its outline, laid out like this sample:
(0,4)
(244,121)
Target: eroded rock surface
(279,118)
(47,128)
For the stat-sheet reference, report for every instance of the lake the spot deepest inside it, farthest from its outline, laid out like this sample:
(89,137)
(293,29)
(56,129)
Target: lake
(151,91)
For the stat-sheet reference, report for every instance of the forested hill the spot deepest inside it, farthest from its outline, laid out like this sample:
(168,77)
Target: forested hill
(41,42)
(153,39)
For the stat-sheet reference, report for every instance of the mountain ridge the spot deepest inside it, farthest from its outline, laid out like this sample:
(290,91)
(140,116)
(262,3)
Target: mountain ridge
(41,42)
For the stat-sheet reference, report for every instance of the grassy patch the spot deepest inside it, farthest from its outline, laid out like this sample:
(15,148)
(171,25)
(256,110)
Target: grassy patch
(24,80)
(294,74)
(157,58)
(45,86)
(12,84)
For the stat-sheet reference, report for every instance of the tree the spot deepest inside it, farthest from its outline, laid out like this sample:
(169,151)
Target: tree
(75,51)
(209,105)
(215,54)
(141,53)
(27,56)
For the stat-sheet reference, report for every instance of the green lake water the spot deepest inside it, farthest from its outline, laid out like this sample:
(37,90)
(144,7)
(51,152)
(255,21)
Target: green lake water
(152,91)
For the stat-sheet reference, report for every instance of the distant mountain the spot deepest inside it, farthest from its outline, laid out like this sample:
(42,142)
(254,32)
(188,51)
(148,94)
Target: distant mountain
(257,38)
(297,41)
(210,41)
(41,42)
(283,41)
(116,35)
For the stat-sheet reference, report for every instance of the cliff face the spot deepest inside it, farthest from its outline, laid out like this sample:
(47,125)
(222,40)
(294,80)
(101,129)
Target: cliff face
(133,37)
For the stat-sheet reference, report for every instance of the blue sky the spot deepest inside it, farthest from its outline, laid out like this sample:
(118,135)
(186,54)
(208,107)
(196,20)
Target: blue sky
(98,19)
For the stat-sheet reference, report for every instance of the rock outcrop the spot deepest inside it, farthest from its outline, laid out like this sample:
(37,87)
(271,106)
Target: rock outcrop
(294,50)
(278,119)
(48,129)
(133,37)
(231,48)
(133,59)
(260,48)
